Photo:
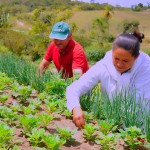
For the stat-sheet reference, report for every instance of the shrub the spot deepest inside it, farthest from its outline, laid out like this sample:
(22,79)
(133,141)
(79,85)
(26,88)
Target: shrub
(83,40)
(95,55)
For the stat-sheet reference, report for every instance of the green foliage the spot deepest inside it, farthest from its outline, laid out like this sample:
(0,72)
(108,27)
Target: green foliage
(14,41)
(83,40)
(132,136)
(45,119)
(24,72)
(123,108)
(147,127)
(138,7)
(6,134)
(35,137)
(56,86)
(3,49)
(89,132)
(93,6)
(129,26)
(89,116)
(50,107)
(53,142)
(3,98)
(106,126)
(106,141)
(95,55)
(99,30)
(28,122)
(66,134)
(67,113)
(28,110)
(7,114)
(4,18)
(21,92)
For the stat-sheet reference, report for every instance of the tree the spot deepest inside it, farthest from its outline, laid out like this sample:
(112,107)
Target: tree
(130,26)
(98,31)
(107,13)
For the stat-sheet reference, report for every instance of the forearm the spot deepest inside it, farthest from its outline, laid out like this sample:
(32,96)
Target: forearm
(43,65)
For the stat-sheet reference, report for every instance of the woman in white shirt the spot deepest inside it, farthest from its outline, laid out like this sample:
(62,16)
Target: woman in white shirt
(124,67)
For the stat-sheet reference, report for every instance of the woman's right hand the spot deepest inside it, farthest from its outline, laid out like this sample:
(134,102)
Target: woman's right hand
(78,117)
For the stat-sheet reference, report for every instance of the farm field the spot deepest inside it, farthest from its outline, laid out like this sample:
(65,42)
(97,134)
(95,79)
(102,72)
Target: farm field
(25,115)
(33,119)
(33,111)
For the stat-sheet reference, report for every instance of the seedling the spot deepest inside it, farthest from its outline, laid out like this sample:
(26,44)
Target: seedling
(6,134)
(35,104)
(45,119)
(67,113)
(35,137)
(89,132)
(50,107)
(7,114)
(42,96)
(106,141)
(21,92)
(28,110)
(53,142)
(89,116)
(106,126)
(3,98)
(132,136)
(66,134)
(15,107)
(28,122)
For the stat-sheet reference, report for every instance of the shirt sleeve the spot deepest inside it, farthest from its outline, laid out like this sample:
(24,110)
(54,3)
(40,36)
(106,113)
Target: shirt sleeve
(79,59)
(83,85)
(48,54)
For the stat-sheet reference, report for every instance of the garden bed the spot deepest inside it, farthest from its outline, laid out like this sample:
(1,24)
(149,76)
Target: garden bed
(25,113)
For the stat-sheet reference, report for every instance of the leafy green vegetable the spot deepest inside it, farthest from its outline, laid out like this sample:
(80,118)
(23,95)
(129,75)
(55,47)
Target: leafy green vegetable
(53,142)
(65,133)
(89,131)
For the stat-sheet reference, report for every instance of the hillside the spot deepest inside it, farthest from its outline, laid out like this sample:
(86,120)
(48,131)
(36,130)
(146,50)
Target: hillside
(84,20)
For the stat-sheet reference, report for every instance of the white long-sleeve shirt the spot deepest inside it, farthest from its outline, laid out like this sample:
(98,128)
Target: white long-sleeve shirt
(112,82)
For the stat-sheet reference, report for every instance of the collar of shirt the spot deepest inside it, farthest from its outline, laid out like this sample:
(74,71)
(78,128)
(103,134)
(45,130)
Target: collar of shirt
(71,43)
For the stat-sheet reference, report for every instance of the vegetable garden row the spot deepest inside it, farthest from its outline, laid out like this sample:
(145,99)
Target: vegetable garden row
(33,114)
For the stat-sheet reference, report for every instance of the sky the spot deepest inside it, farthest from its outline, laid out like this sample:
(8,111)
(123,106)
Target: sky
(123,3)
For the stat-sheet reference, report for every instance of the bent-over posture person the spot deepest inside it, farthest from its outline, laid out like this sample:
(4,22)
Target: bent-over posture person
(123,67)
(67,54)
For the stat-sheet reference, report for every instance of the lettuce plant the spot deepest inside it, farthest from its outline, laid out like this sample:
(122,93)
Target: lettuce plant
(6,134)
(106,126)
(28,122)
(89,132)
(65,133)
(3,98)
(7,114)
(89,116)
(67,113)
(45,119)
(42,96)
(50,107)
(132,136)
(35,137)
(106,141)
(28,110)
(21,92)
(53,142)
(15,107)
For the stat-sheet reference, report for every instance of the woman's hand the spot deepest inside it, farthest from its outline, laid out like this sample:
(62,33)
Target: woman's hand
(78,117)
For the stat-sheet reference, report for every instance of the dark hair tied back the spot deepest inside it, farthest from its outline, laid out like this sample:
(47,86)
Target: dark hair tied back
(138,35)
